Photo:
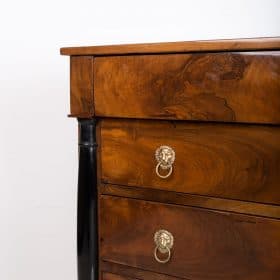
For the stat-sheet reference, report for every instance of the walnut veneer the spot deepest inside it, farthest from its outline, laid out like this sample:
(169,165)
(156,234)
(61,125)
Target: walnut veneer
(213,109)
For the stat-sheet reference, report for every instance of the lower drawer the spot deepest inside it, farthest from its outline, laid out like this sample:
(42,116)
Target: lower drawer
(145,275)
(113,271)
(111,276)
(207,244)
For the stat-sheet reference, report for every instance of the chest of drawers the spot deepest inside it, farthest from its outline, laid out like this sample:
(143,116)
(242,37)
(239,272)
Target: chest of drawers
(179,160)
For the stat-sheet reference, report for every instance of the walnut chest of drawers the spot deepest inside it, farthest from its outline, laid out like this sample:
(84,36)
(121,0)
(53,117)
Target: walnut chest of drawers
(179,160)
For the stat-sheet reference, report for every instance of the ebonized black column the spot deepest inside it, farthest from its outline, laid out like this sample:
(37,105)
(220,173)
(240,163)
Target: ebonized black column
(87,202)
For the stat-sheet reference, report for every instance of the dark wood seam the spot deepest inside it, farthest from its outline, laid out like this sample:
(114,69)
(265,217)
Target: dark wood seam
(186,193)
(187,205)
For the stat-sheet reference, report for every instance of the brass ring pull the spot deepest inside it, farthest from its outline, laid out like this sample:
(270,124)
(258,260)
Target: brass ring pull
(164,242)
(162,260)
(164,176)
(165,157)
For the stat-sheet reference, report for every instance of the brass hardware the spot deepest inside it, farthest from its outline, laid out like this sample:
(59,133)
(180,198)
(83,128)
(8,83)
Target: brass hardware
(164,242)
(165,157)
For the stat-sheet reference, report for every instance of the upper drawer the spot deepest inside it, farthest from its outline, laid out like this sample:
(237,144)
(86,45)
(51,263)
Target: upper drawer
(228,161)
(229,86)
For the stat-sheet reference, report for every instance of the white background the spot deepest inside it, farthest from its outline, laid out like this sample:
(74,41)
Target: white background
(38,149)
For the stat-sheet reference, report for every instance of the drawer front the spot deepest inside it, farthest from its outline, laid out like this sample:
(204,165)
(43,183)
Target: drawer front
(111,276)
(207,244)
(230,87)
(118,270)
(227,161)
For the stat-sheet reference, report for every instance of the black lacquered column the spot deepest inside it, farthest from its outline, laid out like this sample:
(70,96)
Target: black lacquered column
(87,202)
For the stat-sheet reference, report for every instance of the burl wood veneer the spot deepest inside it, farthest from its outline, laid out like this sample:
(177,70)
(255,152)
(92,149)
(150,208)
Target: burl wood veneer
(179,160)
(221,160)
(230,87)
(208,244)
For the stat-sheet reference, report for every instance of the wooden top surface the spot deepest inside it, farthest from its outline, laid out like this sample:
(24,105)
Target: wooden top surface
(250,44)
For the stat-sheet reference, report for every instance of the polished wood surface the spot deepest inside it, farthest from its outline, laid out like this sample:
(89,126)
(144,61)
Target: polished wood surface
(227,161)
(87,217)
(229,87)
(217,104)
(175,47)
(207,244)
(81,86)
(207,202)
(134,272)
(111,276)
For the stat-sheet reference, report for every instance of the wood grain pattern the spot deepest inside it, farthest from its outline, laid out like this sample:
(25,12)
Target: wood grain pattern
(207,244)
(217,103)
(214,203)
(173,47)
(81,86)
(111,276)
(230,87)
(226,161)
(134,272)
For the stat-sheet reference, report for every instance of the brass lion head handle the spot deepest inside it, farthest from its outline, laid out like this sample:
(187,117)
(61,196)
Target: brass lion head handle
(165,157)
(164,242)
